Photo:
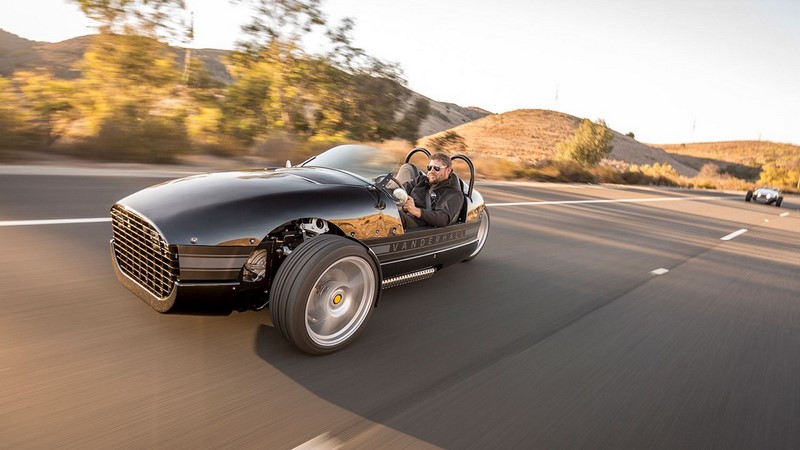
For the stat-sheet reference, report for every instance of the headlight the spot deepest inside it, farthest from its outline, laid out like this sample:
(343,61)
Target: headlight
(256,267)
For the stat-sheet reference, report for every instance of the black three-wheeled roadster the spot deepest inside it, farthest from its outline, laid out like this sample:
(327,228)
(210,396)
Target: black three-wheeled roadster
(315,243)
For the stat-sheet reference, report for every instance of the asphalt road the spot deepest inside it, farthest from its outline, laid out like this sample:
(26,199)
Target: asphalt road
(558,335)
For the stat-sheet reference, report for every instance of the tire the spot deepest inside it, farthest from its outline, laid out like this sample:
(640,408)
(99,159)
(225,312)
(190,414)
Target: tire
(324,293)
(778,202)
(483,234)
(748,196)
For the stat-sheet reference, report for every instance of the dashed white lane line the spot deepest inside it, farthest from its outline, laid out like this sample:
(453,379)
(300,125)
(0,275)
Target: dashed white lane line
(784,214)
(623,200)
(733,235)
(322,442)
(25,223)
(660,271)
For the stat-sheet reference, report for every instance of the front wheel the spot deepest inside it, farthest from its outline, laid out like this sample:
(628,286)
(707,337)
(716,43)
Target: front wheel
(483,233)
(324,293)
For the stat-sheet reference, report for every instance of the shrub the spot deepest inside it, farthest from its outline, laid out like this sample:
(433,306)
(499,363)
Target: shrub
(590,144)
(450,142)
(156,139)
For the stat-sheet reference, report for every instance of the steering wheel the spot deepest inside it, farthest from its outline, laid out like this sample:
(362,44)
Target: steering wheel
(383,185)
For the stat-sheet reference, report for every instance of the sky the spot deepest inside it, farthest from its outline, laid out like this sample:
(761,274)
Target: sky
(669,71)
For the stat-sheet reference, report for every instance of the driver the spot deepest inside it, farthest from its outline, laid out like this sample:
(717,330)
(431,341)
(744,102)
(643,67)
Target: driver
(436,199)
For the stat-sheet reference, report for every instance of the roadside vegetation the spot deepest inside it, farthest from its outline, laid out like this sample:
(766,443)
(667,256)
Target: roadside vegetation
(710,175)
(133,102)
(583,158)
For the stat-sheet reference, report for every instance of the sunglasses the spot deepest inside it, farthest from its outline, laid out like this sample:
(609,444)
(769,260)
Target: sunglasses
(436,168)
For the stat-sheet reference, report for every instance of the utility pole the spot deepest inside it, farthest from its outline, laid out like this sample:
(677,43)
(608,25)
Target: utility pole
(187,58)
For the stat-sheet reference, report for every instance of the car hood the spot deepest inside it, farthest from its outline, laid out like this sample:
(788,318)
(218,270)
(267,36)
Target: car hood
(765,193)
(232,208)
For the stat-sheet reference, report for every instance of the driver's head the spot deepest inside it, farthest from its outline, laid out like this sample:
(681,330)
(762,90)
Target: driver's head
(440,168)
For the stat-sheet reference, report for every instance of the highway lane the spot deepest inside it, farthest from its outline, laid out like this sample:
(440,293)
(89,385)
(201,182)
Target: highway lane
(558,335)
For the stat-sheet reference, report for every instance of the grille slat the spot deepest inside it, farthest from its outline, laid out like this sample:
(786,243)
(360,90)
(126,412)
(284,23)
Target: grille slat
(142,253)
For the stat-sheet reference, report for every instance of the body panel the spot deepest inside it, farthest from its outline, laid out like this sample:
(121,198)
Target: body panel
(233,208)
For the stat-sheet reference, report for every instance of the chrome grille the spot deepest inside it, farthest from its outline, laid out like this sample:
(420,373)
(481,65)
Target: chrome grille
(142,253)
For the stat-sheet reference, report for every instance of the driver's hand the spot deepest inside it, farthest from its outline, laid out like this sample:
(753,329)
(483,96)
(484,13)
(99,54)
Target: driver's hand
(411,208)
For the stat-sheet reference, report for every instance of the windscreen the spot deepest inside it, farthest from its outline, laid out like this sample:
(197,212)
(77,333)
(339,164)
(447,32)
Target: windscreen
(367,162)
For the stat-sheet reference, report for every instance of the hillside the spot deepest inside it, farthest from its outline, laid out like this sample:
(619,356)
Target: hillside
(739,153)
(17,53)
(444,116)
(531,135)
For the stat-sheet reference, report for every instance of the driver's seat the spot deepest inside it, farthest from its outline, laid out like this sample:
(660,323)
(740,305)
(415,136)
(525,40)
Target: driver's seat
(406,174)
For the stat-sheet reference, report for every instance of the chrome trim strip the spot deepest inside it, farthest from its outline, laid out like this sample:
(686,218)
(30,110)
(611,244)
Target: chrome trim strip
(408,278)
(447,249)
(211,262)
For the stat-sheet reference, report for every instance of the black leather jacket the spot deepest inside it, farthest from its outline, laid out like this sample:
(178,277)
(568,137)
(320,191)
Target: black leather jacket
(441,204)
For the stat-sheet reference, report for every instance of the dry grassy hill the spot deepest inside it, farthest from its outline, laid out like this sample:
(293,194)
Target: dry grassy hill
(444,116)
(531,135)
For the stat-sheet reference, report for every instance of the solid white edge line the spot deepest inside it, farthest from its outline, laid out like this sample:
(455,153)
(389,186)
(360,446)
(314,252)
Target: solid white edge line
(24,223)
(624,200)
(733,235)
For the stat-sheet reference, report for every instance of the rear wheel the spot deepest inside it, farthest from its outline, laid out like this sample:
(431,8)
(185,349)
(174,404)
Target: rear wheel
(324,293)
(778,202)
(748,196)
(483,233)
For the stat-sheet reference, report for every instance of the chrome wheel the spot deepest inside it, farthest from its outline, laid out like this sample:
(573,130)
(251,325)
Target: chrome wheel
(324,293)
(340,301)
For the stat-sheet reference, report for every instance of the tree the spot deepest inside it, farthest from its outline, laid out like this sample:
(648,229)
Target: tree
(340,93)
(13,132)
(590,144)
(130,77)
(783,174)
(408,128)
(48,102)
(123,70)
(152,18)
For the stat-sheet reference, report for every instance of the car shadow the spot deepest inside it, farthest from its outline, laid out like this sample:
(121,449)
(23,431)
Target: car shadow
(427,337)
(414,339)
